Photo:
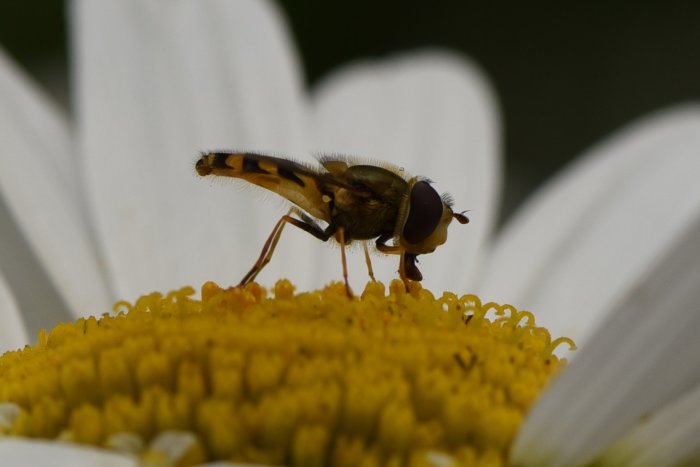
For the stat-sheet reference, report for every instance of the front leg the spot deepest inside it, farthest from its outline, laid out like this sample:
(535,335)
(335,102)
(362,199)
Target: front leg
(407,263)
(381,245)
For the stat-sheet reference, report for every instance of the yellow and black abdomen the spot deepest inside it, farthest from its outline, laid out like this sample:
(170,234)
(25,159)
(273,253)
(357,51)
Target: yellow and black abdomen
(291,180)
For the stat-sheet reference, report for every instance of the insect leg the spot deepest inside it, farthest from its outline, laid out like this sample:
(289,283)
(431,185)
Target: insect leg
(396,250)
(266,253)
(340,235)
(388,249)
(370,271)
(402,270)
(271,242)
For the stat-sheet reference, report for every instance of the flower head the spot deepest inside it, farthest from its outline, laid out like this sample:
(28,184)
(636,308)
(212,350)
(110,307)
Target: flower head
(606,253)
(306,379)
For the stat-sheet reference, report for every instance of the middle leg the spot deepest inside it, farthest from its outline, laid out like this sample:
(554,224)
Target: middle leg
(368,261)
(340,236)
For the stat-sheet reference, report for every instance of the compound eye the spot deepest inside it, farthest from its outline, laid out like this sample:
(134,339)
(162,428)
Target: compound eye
(424,213)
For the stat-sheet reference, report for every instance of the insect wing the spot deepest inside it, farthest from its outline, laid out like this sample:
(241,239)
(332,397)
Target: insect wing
(364,180)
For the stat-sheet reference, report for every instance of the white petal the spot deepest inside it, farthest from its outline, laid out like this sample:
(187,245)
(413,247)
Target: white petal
(9,412)
(13,335)
(585,240)
(172,445)
(435,115)
(645,355)
(668,437)
(34,293)
(40,191)
(159,81)
(27,453)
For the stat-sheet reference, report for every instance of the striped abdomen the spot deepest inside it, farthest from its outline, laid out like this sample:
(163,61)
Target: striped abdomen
(288,179)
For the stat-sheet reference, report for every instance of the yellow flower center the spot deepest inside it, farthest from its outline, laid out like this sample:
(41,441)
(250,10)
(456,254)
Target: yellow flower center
(305,380)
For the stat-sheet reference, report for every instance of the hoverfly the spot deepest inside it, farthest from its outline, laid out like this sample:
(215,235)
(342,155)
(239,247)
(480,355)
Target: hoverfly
(357,202)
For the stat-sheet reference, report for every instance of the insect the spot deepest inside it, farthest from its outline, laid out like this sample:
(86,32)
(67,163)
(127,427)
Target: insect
(357,202)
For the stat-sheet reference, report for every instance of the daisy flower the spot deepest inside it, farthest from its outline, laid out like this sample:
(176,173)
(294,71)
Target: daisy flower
(105,205)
